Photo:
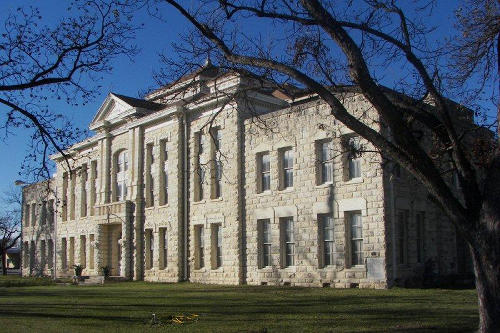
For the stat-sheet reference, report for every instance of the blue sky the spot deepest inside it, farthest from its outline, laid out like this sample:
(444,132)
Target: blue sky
(127,77)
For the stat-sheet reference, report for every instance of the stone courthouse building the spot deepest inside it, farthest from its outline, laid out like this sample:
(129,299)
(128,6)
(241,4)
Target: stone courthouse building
(219,179)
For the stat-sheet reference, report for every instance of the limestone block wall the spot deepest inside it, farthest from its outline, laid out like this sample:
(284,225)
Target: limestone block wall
(210,211)
(303,128)
(164,214)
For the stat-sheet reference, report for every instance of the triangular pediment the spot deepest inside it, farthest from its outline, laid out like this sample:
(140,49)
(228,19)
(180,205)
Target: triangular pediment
(116,108)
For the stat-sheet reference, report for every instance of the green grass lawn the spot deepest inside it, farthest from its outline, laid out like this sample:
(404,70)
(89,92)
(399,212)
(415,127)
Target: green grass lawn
(128,307)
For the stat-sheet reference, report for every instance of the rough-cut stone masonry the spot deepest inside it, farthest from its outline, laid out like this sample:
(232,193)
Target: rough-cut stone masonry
(174,188)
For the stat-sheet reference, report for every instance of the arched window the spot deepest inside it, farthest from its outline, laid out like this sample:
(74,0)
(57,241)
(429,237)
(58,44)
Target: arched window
(121,175)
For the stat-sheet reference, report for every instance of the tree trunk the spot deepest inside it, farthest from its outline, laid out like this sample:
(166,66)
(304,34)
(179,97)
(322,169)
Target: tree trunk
(488,291)
(485,250)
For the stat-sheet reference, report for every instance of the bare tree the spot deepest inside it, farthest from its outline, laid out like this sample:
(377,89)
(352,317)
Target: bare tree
(41,61)
(10,224)
(321,45)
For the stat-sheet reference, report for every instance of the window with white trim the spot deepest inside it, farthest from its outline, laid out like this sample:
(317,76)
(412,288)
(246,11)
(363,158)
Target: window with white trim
(286,168)
(265,242)
(264,172)
(150,188)
(216,163)
(325,161)
(288,241)
(327,239)
(164,248)
(353,158)
(121,175)
(216,245)
(83,191)
(164,172)
(199,238)
(356,241)
(199,174)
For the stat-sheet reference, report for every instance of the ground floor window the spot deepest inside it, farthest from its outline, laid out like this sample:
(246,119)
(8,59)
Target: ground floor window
(356,238)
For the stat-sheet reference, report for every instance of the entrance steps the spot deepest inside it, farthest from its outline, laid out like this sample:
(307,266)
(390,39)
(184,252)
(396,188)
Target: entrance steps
(91,280)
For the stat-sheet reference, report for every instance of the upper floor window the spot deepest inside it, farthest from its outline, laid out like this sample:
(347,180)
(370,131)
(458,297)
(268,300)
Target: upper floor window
(149,175)
(83,193)
(216,165)
(164,172)
(325,161)
(264,170)
(287,168)
(199,175)
(353,158)
(121,175)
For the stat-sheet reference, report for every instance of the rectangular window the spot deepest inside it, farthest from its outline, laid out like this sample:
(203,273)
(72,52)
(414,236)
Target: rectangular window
(353,157)
(286,176)
(288,241)
(199,247)
(420,217)
(356,229)
(71,252)
(43,254)
(91,251)
(164,172)
(64,253)
(325,158)
(149,175)
(264,170)
(216,248)
(27,215)
(50,215)
(72,196)
(164,248)
(149,248)
(43,213)
(403,216)
(327,233)
(33,214)
(50,254)
(26,251)
(93,188)
(83,193)
(264,230)
(199,174)
(83,251)
(65,197)
(216,163)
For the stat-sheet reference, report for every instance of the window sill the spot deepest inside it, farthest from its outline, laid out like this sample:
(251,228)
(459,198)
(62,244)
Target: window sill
(164,206)
(354,181)
(266,269)
(218,270)
(265,193)
(200,270)
(286,190)
(291,269)
(199,202)
(324,185)
(149,208)
(217,199)
(357,268)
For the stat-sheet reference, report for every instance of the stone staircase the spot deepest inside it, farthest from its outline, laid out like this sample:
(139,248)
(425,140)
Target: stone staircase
(91,280)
